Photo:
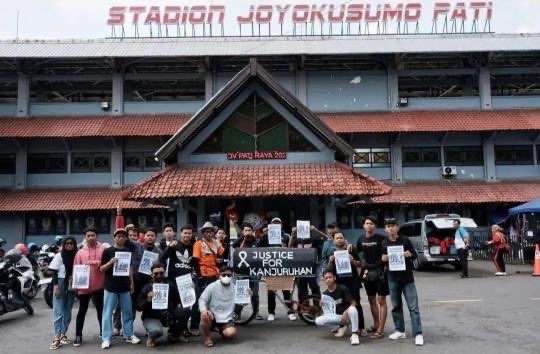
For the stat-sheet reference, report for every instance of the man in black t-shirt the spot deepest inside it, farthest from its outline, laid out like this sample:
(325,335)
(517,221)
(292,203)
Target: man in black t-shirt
(339,308)
(117,290)
(369,247)
(179,255)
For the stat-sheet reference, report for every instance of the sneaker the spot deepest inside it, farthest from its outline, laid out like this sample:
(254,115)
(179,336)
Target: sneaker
(271,318)
(419,339)
(105,344)
(354,339)
(503,273)
(64,339)
(341,332)
(499,274)
(292,317)
(397,335)
(258,317)
(133,339)
(78,341)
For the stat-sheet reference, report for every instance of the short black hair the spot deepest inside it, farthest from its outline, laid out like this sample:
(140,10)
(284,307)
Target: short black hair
(328,270)
(157,265)
(225,268)
(151,229)
(372,219)
(187,227)
(390,221)
(246,224)
(90,229)
(169,225)
(331,225)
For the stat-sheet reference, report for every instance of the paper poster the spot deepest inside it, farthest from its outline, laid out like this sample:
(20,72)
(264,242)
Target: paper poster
(274,234)
(233,234)
(328,305)
(148,259)
(160,301)
(81,276)
(186,291)
(343,262)
(303,228)
(121,267)
(396,259)
(241,292)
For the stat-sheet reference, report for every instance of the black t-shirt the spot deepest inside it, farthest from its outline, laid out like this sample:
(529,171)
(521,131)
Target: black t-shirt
(146,306)
(342,296)
(314,241)
(405,276)
(371,250)
(114,284)
(180,258)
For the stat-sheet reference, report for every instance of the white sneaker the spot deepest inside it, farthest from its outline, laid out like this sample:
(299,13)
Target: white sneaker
(419,339)
(133,339)
(341,332)
(397,335)
(271,318)
(503,273)
(499,274)
(105,344)
(354,339)
(292,317)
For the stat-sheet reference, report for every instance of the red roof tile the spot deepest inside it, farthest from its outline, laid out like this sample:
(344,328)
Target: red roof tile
(169,124)
(460,192)
(64,199)
(432,121)
(256,180)
(92,126)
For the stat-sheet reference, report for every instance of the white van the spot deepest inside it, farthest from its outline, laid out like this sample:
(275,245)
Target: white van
(433,239)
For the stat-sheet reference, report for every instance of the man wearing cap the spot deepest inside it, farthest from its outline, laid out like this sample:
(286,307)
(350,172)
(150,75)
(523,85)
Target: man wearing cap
(401,282)
(117,290)
(207,250)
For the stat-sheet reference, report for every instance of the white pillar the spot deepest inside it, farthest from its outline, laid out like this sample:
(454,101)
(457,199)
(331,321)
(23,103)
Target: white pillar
(209,84)
(393,89)
(21,157)
(117,164)
(489,160)
(23,95)
(396,161)
(484,87)
(118,93)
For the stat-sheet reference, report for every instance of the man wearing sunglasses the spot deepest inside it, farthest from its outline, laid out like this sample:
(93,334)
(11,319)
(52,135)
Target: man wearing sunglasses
(175,316)
(217,307)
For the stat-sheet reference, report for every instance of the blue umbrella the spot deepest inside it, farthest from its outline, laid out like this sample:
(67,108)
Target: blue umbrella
(530,207)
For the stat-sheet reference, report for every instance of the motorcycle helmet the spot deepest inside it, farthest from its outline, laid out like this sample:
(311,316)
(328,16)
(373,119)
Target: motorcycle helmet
(33,247)
(2,242)
(58,240)
(21,247)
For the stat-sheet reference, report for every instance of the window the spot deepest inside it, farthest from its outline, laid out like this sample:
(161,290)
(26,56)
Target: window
(255,126)
(140,161)
(422,157)
(47,163)
(514,155)
(38,224)
(464,155)
(371,158)
(101,221)
(7,164)
(90,162)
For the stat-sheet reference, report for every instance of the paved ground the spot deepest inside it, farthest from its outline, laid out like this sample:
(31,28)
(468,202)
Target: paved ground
(482,314)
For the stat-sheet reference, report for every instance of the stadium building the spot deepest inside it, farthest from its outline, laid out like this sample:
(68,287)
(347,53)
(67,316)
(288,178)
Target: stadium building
(307,128)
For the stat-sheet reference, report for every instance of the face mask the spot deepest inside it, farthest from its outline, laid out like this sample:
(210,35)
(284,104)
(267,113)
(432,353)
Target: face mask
(225,279)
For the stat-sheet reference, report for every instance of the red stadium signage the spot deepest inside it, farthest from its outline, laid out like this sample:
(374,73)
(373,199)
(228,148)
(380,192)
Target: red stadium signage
(319,13)
(257,155)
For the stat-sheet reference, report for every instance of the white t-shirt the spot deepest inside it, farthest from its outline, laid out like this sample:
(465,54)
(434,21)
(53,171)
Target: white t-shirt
(58,264)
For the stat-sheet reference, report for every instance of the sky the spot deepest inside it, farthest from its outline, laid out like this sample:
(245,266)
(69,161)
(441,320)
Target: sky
(87,19)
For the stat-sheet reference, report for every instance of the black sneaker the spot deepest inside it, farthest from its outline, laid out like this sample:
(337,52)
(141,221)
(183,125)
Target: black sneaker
(77,341)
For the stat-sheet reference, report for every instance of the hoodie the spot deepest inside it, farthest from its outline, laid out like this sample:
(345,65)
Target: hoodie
(92,257)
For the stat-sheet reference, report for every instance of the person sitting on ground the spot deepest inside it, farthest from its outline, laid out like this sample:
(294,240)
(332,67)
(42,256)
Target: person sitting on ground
(217,307)
(175,316)
(345,308)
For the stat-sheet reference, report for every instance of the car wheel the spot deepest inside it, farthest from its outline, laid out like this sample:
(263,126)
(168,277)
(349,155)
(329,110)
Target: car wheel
(417,265)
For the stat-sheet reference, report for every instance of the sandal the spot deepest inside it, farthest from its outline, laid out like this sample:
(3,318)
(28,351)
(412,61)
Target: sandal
(208,343)
(55,343)
(372,329)
(150,343)
(377,335)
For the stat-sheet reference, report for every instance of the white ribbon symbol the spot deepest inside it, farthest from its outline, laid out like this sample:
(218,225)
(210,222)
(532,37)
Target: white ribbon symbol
(242,255)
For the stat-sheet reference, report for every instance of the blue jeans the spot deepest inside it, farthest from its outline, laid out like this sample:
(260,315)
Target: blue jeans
(110,300)
(62,309)
(409,293)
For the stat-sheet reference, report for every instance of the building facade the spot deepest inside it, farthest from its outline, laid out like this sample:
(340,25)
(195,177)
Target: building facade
(441,123)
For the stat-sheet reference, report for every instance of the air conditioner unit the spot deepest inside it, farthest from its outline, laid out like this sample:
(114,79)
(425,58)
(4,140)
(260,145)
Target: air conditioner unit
(105,105)
(449,171)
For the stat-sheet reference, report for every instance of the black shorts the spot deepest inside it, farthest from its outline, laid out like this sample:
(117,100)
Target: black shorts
(379,287)
(221,327)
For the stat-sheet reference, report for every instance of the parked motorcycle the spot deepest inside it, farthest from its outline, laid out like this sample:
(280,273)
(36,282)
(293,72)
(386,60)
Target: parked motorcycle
(14,282)
(45,258)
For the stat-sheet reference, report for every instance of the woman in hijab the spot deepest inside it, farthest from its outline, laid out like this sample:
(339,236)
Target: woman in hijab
(62,267)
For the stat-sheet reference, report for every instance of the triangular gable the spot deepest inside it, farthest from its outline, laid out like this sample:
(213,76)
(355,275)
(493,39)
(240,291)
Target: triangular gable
(249,74)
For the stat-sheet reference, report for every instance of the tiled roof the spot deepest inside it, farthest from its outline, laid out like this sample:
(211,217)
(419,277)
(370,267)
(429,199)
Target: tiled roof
(256,180)
(432,121)
(92,126)
(64,199)
(168,124)
(455,192)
